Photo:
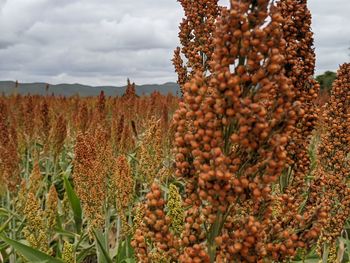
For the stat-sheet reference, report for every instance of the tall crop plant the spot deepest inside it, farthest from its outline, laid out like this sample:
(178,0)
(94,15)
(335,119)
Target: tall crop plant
(233,150)
(330,190)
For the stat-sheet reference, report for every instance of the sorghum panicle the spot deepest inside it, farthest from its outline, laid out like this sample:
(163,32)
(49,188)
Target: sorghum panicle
(35,230)
(330,194)
(9,157)
(35,179)
(130,92)
(150,151)
(155,228)
(300,67)
(51,208)
(58,135)
(232,129)
(122,186)
(196,38)
(68,255)
(92,165)
(175,210)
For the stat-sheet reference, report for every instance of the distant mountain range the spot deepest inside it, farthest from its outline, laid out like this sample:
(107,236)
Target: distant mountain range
(8,87)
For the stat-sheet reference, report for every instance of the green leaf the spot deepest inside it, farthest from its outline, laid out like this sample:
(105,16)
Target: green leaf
(102,255)
(30,253)
(132,157)
(65,233)
(285,179)
(4,212)
(214,231)
(125,251)
(75,204)
(4,225)
(325,253)
(347,243)
(3,246)
(314,260)
(83,253)
(82,238)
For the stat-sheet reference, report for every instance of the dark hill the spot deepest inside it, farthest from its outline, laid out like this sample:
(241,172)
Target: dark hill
(8,87)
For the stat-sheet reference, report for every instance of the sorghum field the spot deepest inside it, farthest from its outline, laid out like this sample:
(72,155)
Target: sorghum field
(248,165)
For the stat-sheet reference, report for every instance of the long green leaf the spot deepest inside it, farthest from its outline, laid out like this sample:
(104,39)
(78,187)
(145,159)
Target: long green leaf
(65,233)
(30,253)
(75,204)
(125,251)
(103,256)
(3,246)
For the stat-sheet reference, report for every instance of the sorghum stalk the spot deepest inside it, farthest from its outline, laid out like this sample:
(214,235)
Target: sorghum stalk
(232,129)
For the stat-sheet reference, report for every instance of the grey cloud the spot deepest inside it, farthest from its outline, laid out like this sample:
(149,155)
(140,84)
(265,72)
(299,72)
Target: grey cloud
(91,40)
(331,32)
(104,42)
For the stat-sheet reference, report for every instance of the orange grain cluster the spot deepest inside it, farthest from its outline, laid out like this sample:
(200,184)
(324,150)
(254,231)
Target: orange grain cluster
(91,172)
(155,228)
(44,120)
(300,67)
(121,189)
(130,92)
(330,192)
(196,38)
(51,120)
(58,135)
(123,183)
(231,135)
(9,157)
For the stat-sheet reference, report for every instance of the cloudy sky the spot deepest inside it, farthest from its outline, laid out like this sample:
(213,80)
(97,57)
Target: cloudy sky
(102,42)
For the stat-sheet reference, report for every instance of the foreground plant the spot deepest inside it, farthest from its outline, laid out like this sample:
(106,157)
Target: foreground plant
(330,190)
(231,133)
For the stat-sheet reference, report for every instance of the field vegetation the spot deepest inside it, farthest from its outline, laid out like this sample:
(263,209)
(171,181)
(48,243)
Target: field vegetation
(250,164)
